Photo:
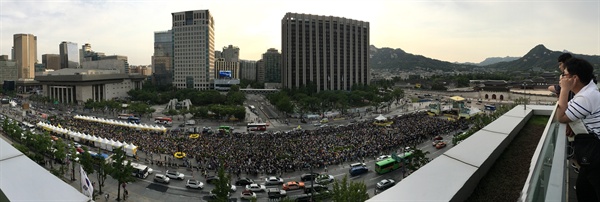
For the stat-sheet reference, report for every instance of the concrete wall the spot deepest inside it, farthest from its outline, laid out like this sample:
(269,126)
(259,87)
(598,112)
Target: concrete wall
(114,90)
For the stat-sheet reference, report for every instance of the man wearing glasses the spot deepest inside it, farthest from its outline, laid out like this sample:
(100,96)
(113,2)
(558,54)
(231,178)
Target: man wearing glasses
(578,78)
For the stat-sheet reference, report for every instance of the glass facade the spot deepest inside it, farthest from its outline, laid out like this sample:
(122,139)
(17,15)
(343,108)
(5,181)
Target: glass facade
(69,55)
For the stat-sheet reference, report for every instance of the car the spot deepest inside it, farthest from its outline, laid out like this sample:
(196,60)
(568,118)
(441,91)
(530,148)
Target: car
(359,170)
(324,120)
(161,178)
(382,157)
(317,124)
(212,179)
(385,184)
(293,185)
(440,145)
(174,175)
(435,142)
(357,165)
(307,177)
(323,126)
(315,188)
(182,125)
(192,183)
(232,188)
(248,195)
(324,179)
(256,188)
(244,182)
(274,193)
(439,137)
(212,194)
(273,181)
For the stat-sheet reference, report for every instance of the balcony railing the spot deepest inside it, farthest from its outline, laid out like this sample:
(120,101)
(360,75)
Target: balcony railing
(548,176)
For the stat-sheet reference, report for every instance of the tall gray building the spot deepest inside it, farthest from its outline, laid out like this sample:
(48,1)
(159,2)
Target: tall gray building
(272,62)
(9,69)
(331,52)
(69,55)
(51,61)
(260,71)
(194,49)
(231,53)
(248,70)
(162,60)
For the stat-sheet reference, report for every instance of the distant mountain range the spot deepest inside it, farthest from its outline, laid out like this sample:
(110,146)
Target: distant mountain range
(537,58)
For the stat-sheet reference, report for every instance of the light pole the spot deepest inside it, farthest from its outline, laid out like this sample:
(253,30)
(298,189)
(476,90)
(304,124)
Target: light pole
(524,96)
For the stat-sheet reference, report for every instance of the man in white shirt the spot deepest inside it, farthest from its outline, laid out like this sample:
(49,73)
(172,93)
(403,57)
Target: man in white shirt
(585,107)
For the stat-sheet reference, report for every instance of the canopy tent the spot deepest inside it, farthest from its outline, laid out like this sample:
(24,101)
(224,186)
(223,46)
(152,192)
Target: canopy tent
(122,123)
(457,98)
(98,142)
(380,118)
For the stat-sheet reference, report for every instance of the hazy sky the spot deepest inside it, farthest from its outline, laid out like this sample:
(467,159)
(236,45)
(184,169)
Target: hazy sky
(454,31)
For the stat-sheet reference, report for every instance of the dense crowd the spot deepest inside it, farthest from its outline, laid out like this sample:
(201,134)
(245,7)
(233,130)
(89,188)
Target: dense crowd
(253,153)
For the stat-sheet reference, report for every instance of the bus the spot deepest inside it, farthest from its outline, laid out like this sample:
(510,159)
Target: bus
(490,107)
(256,127)
(133,120)
(162,120)
(390,164)
(125,116)
(226,129)
(140,171)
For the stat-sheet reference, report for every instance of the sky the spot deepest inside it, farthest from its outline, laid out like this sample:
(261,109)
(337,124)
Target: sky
(453,31)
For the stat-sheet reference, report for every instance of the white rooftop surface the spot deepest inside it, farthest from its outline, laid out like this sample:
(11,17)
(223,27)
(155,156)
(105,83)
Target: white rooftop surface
(21,179)
(482,143)
(451,173)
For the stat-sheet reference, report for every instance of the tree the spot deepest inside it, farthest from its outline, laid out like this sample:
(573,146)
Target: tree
(120,171)
(417,160)
(222,186)
(102,168)
(345,191)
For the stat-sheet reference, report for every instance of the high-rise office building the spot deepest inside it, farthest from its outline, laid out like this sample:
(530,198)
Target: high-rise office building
(69,55)
(231,53)
(51,61)
(248,70)
(272,62)
(25,55)
(193,48)
(260,71)
(232,67)
(218,54)
(331,52)
(162,60)
(9,69)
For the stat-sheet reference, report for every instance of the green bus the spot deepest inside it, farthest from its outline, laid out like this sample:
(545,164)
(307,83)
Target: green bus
(225,129)
(390,164)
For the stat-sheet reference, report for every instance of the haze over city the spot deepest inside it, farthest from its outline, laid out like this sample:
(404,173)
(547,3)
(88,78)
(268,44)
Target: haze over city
(454,31)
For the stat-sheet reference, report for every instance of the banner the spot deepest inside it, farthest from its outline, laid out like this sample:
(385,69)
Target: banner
(86,185)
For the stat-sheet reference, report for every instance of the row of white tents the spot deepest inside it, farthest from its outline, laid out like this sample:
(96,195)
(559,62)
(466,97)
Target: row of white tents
(99,142)
(122,123)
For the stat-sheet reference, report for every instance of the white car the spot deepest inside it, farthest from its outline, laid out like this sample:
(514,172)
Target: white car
(273,181)
(161,178)
(192,183)
(248,195)
(324,179)
(382,157)
(256,188)
(175,175)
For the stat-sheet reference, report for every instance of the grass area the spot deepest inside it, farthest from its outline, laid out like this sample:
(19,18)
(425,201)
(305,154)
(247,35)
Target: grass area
(505,180)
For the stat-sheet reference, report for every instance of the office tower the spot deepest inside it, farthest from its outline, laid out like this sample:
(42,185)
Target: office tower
(193,48)
(25,55)
(248,70)
(272,62)
(51,61)
(232,67)
(331,52)
(231,53)
(69,55)
(218,54)
(260,71)
(8,69)
(162,60)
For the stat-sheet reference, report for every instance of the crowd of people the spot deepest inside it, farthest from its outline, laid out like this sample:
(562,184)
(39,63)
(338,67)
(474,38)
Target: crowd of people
(272,153)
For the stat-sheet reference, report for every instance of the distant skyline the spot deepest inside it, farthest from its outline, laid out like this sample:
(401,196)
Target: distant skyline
(453,31)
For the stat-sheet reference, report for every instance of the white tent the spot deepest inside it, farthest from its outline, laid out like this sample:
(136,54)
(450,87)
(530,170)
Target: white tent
(381,118)
(130,149)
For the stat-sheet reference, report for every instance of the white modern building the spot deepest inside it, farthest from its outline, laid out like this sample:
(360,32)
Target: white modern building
(193,48)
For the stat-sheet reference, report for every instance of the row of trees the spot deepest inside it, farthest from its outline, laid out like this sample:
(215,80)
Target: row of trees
(161,95)
(38,147)
(306,99)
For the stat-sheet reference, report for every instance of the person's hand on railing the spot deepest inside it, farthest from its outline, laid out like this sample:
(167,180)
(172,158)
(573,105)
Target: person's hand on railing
(569,132)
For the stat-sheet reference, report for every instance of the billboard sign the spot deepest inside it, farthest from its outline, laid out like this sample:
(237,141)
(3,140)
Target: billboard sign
(225,74)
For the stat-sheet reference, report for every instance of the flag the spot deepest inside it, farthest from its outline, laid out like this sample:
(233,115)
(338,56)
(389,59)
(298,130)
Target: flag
(86,185)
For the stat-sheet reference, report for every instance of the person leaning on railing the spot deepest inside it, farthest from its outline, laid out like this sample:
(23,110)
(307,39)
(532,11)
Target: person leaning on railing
(583,115)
